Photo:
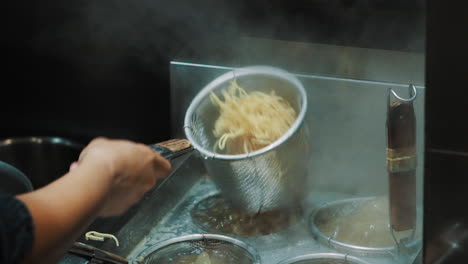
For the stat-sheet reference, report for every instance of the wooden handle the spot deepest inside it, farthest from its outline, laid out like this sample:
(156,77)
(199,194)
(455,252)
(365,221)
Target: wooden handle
(401,125)
(173,148)
(175,145)
(401,164)
(402,200)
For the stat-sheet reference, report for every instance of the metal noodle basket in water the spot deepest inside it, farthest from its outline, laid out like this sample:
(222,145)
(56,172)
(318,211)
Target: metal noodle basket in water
(360,226)
(199,248)
(324,258)
(266,179)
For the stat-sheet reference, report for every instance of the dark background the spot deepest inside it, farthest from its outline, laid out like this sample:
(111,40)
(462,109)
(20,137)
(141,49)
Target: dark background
(81,69)
(446,157)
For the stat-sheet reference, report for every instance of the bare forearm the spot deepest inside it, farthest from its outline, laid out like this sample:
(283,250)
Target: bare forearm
(62,210)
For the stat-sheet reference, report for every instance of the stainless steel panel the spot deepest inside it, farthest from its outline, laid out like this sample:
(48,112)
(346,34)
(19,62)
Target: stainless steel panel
(346,117)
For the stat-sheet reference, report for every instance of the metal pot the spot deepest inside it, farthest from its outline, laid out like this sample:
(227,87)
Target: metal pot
(41,159)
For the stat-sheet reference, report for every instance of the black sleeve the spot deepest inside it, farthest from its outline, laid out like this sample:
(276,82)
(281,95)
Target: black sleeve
(16,230)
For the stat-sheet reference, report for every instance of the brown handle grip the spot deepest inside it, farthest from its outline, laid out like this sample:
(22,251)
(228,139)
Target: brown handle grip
(175,145)
(402,200)
(401,164)
(173,148)
(401,125)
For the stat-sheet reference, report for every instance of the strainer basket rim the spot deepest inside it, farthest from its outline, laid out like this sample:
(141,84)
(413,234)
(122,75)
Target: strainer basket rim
(186,238)
(245,71)
(338,245)
(334,256)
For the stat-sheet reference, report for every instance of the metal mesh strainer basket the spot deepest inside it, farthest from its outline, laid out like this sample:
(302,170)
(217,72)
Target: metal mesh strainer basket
(376,241)
(324,258)
(266,179)
(199,249)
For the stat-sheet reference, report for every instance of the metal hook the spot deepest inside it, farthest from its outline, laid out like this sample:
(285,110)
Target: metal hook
(412,92)
(400,245)
(395,240)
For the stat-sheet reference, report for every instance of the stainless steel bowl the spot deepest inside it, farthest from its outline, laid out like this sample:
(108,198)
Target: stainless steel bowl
(345,207)
(267,179)
(173,249)
(324,258)
(41,159)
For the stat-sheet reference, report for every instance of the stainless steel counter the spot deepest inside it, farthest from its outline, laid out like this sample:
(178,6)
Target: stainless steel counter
(165,214)
(294,241)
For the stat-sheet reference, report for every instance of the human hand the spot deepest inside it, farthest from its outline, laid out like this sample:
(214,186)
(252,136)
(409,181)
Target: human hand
(132,170)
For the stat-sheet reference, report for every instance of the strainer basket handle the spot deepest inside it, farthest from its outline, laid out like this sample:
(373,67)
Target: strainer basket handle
(95,255)
(172,149)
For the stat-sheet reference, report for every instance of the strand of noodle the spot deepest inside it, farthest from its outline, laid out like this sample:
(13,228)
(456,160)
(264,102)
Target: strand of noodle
(96,236)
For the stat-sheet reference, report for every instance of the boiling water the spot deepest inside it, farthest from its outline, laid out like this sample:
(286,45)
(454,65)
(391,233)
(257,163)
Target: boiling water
(197,252)
(214,214)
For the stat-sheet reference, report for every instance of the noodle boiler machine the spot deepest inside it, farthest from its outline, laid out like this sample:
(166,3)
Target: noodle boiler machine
(349,95)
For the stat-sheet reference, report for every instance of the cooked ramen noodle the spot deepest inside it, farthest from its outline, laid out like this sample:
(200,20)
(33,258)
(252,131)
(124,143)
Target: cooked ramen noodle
(96,236)
(249,121)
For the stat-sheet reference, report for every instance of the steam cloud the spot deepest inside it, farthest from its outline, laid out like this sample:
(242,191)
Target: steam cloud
(148,31)
(107,31)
